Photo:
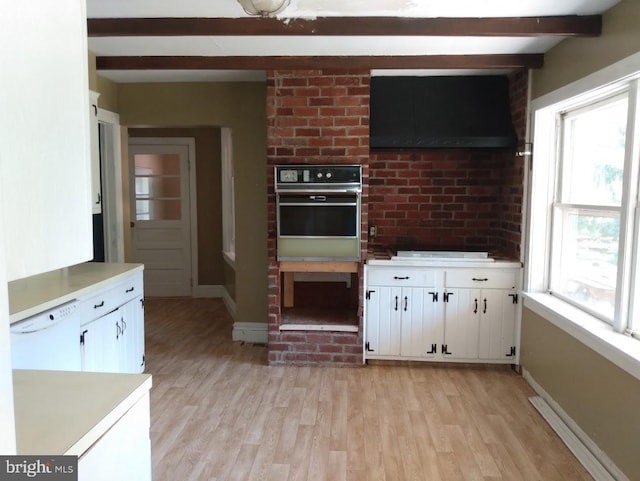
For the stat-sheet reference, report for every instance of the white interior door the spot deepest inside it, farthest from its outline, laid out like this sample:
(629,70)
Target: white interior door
(161,221)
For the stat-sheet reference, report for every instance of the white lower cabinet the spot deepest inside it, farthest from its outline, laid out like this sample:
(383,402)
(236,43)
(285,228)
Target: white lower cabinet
(438,314)
(112,329)
(403,315)
(124,452)
(99,344)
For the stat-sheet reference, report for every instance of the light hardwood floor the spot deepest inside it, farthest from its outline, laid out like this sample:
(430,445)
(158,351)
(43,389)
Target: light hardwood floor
(219,413)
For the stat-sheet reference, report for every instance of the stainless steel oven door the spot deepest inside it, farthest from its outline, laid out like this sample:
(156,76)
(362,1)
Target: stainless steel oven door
(317,226)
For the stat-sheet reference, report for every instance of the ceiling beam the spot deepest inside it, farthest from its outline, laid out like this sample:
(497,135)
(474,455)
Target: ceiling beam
(501,61)
(566,26)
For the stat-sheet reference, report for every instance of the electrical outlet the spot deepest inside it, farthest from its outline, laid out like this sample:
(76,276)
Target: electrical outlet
(373,230)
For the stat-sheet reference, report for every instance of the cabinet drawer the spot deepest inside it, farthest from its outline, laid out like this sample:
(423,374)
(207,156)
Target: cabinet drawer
(482,278)
(110,298)
(394,276)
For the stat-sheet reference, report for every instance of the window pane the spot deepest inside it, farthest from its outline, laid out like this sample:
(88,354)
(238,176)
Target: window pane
(593,153)
(158,209)
(584,267)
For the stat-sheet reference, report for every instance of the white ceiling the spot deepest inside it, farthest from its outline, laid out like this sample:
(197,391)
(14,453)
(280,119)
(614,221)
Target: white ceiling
(319,45)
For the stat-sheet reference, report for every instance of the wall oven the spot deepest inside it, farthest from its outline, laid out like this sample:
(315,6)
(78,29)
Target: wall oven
(318,212)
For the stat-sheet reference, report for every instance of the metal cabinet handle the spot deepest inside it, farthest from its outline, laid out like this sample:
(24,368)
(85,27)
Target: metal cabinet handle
(129,290)
(401,278)
(485,306)
(484,279)
(396,307)
(475,309)
(406,303)
(96,306)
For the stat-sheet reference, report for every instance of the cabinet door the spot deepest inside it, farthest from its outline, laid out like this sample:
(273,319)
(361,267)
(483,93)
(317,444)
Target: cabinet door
(421,321)
(497,324)
(132,345)
(462,323)
(383,321)
(100,347)
(96,186)
(124,452)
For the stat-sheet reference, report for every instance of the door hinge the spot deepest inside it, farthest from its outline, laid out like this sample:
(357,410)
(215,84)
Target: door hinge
(368,295)
(445,296)
(512,352)
(434,296)
(82,337)
(434,349)
(514,298)
(445,349)
(367,347)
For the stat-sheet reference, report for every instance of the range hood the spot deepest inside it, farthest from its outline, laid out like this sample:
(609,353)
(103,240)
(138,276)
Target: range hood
(441,112)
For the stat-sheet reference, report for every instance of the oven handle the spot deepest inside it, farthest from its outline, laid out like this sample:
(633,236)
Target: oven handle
(285,191)
(318,202)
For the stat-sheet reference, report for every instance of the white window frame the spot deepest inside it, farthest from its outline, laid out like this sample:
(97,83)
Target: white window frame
(228,196)
(613,341)
(562,206)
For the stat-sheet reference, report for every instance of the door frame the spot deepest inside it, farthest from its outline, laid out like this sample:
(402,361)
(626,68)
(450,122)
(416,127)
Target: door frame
(111,177)
(190,143)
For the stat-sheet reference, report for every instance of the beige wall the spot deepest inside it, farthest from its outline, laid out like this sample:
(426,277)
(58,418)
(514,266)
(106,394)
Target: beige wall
(240,106)
(599,396)
(577,57)
(602,398)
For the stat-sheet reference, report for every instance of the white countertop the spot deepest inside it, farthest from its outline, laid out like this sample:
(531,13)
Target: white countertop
(36,294)
(444,263)
(65,413)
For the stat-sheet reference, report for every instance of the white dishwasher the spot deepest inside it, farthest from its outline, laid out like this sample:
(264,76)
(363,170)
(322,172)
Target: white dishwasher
(49,340)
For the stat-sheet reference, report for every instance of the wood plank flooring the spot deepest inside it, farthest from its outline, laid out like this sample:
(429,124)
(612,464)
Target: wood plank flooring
(219,413)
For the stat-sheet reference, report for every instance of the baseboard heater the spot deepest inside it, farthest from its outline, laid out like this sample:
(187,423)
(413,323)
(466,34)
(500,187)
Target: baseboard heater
(575,445)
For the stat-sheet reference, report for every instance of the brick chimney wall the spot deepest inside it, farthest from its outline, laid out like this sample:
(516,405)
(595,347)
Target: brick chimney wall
(452,199)
(314,117)
(449,200)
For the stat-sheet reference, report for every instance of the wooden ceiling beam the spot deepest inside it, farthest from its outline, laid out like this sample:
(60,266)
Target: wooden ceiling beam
(501,61)
(565,26)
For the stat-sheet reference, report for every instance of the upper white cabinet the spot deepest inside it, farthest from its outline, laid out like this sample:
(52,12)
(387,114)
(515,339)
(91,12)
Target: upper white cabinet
(45,176)
(96,185)
(441,314)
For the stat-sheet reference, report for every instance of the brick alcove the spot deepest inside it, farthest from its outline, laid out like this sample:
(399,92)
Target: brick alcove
(448,199)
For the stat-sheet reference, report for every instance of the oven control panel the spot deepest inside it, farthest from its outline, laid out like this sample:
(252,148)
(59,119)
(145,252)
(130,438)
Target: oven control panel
(317,174)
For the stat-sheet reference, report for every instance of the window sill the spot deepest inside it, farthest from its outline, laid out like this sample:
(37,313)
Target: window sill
(230,258)
(620,349)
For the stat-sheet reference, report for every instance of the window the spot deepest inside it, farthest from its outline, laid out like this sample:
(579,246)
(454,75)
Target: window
(587,206)
(584,191)
(228,196)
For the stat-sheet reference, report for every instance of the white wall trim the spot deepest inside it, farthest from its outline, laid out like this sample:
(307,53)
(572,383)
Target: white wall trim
(111,172)
(595,461)
(256,332)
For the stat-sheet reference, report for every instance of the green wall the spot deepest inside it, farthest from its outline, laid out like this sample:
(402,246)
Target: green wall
(240,106)
(575,58)
(602,398)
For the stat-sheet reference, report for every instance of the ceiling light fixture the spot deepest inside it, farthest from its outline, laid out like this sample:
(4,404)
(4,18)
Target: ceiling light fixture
(264,8)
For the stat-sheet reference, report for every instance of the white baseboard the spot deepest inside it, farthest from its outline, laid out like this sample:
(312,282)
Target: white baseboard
(255,332)
(595,461)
